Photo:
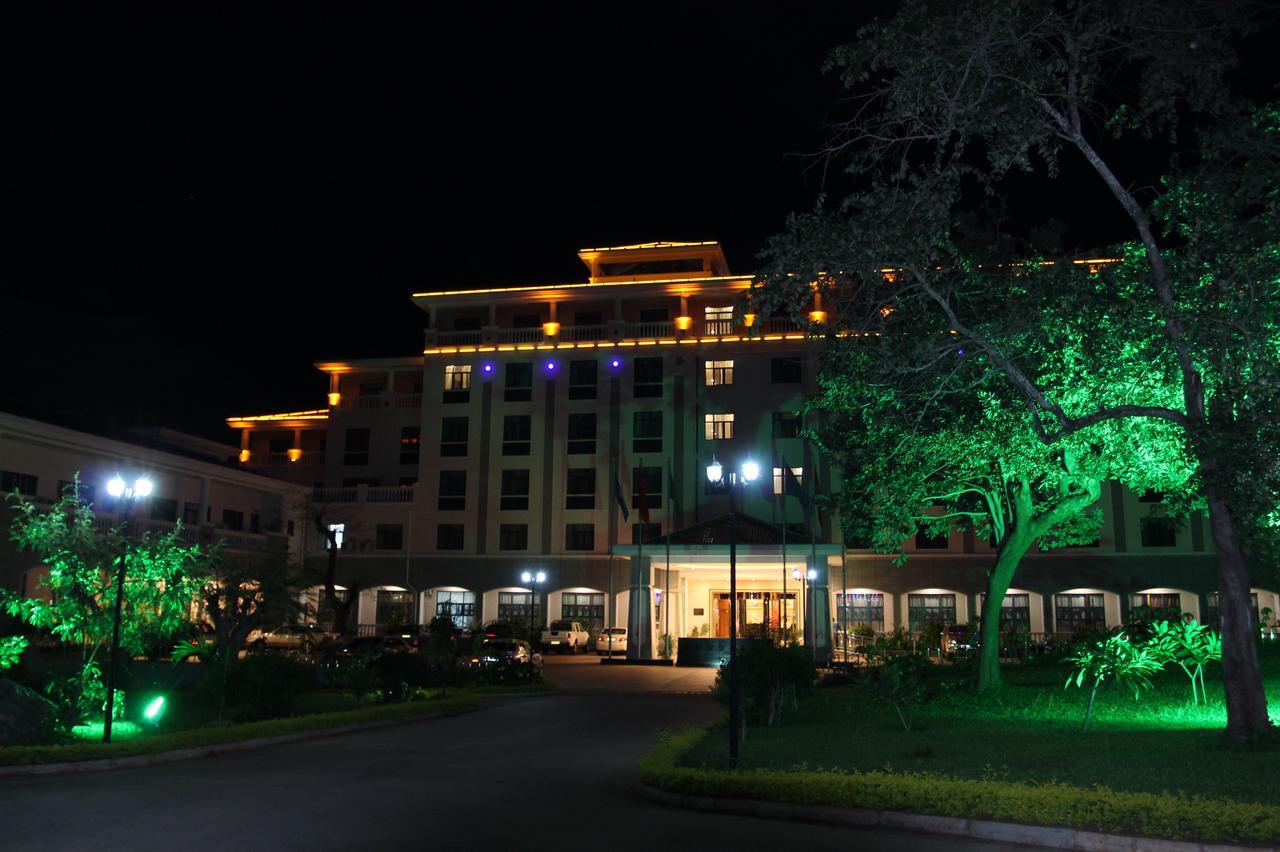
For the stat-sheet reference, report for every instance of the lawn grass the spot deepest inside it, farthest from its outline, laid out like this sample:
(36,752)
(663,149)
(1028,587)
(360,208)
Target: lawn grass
(457,701)
(1026,733)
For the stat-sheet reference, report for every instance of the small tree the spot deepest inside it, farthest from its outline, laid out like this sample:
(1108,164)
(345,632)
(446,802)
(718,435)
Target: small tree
(162,577)
(1189,645)
(1114,658)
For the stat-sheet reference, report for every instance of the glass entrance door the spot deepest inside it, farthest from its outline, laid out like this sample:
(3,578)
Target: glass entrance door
(759,613)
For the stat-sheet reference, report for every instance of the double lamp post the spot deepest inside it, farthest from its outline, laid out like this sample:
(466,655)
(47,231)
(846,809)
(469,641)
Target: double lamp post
(130,495)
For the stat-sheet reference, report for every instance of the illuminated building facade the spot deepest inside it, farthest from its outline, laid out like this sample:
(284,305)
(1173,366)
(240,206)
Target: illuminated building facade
(507,444)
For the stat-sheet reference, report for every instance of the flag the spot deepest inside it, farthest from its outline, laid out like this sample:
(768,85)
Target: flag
(617,496)
(642,499)
(792,488)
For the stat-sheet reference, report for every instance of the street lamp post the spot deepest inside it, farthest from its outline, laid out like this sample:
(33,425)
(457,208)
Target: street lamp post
(749,473)
(537,580)
(140,490)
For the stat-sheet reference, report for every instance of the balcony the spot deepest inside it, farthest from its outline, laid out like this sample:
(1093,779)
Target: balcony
(377,402)
(364,494)
(307,459)
(611,332)
(203,534)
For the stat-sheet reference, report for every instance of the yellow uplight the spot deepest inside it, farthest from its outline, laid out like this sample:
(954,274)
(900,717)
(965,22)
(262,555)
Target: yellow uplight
(294,454)
(551,329)
(244,456)
(748,320)
(334,399)
(817,316)
(684,323)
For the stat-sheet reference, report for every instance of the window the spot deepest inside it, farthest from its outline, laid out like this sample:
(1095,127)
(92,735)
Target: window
(190,511)
(582,434)
(780,481)
(410,441)
(453,436)
(518,380)
(407,481)
(579,536)
(719,320)
(279,445)
(580,491)
(516,432)
(786,424)
(922,608)
(652,479)
(1080,613)
(719,373)
(514,606)
(786,371)
(582,378)
(1159,531)
(515,490)
(449,536)
(646,432)
(453,490)
(394,608)
(388,537)
(371,388)
(1213,616)
(457,382)
(355,447)
(233,519)
(458,607)
(457,377)
(719,427)
(334,538)
(467,323)
(1015,613)
(926,540)
(164,509)
(1155,607)
(863,608)
(647,377)
(654,315)
(513,536)
(526,321)
(651,533)
(585,607)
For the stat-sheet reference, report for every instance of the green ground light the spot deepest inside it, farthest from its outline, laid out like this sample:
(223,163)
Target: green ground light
(154,710)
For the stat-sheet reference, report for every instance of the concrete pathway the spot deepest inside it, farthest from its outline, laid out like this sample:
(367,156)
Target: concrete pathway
(524,774)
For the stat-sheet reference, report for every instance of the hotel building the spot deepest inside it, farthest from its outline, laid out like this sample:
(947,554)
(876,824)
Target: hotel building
(507,444)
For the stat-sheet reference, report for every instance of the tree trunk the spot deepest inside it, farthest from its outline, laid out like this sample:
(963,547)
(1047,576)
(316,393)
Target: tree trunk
(1241,675)
(999,579)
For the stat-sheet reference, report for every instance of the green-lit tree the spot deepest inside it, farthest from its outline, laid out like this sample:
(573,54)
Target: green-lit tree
(162,578)
(953,105)
(923,449)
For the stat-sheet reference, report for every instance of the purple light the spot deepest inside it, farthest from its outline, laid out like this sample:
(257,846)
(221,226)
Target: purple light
(615,363)
(550,366)
(487,368)
(960,351)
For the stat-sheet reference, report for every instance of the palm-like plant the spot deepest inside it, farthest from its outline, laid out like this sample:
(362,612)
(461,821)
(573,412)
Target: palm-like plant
(1114,658)
(1189,645)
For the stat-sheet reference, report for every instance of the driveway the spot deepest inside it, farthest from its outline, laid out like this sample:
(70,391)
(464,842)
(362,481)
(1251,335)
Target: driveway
(546,773)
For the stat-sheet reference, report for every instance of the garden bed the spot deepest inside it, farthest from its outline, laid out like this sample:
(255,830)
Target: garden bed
(1157,766)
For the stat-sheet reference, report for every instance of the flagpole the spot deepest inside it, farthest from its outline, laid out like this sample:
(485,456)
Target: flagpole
(784,548)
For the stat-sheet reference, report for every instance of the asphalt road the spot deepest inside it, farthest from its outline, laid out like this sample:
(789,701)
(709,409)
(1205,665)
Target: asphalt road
(548,773)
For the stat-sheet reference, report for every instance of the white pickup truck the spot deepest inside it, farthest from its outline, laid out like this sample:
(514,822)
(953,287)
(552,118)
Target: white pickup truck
(568,636)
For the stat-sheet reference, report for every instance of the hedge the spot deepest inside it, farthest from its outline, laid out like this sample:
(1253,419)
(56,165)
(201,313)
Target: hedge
(458,702)
(1094,809)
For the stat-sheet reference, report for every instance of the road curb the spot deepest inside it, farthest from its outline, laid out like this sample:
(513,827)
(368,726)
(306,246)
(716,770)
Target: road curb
(105,764)
(978,829)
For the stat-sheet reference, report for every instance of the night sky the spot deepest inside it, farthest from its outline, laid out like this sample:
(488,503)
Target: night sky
(201,202)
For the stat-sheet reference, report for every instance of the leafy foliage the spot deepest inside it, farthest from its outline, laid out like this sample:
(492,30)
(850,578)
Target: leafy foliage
(770,676)
(11,648)
(1189,645)
(1114,658)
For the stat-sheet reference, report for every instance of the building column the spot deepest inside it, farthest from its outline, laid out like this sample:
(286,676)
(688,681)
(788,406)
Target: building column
(640,611)
(818,609)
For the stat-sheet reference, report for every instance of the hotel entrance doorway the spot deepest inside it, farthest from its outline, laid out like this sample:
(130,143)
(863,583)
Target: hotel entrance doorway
(756,612)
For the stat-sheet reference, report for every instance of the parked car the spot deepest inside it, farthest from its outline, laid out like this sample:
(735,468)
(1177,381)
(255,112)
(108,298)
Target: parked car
(494,653)
(568,636)
(362,645)
(290,637)
(499,630)
(612,640)
(956,639)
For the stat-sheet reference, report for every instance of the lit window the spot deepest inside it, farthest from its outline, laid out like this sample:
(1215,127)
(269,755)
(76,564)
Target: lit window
(719,427)
(779,481)
(719,373)
(718,320)
(335,531)
(457,377)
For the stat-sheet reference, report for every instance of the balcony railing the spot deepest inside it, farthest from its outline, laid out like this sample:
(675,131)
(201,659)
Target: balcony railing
(364,494)
(308,458)
(611,331)
(513,335)
(781,325)
(646,330)
(383,400)
(585,332)
(206,534)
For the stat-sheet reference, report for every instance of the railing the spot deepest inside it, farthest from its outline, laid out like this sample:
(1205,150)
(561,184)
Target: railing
(309,458)
(457,338)
(780,325)
(519,335)
(584,332)
(407,400)
(346,494)
(360,403)
(388,494)
(649,329)
(377,401)
(364,494)
(366,630)
(717,328)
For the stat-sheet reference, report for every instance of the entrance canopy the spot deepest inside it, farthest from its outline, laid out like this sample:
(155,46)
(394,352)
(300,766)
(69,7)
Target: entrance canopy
(759,543)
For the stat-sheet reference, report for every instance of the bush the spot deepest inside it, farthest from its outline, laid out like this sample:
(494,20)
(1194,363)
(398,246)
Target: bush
(769,676)
(1095,809)
(265,686)
(400,675)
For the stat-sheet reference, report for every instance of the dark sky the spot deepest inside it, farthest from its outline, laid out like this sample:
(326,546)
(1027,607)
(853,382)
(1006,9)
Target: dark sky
(199,203)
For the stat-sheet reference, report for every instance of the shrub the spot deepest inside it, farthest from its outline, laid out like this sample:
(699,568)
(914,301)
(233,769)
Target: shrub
(898,683)
(400,675)
(265,686)
(768,674)
(1114,658)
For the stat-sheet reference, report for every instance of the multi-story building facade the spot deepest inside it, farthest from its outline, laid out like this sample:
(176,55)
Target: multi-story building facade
(535,414)
(196,482)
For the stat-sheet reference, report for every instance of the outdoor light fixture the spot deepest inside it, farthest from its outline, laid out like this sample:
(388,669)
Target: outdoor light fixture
(551,329)
(550,366)
(154,710)
(748,319)
(244,457)
(817,316)
(750,471)
(334,399)
(615,363)
(684,323)
(294,454)
(715,473)
(813,575)
(537,580)
(118,488)
(487,368)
